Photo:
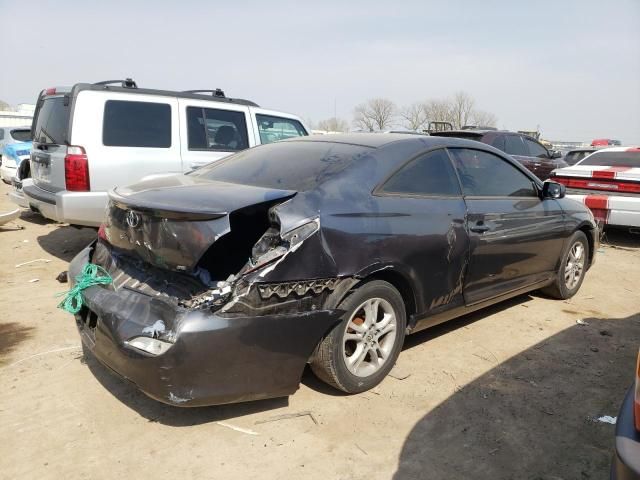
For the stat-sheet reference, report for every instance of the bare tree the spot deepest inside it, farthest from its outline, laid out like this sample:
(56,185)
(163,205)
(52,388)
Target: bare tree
(462,107)
(484,119)
(439,111)
(414,116)
(375,114)
(333,124)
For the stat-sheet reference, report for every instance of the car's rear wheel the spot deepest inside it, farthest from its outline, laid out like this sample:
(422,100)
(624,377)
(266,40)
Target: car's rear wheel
(573,267)
(361,350)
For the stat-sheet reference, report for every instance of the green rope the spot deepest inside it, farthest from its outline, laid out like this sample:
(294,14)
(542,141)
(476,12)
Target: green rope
(91,275)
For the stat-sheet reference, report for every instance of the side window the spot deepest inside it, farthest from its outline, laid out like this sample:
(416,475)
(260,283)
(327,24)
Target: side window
(484,174)
(136,124)
(430,174)
(535,149)
(273,129)
(514,145)
(498,142)
(1,133)
(213,129)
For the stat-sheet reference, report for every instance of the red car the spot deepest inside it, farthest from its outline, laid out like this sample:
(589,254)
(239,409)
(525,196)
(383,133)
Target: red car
(605,142)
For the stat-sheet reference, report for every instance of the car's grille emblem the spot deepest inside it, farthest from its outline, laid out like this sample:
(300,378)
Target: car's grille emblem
(132,219)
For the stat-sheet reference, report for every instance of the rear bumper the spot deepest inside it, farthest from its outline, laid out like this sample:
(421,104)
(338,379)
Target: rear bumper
(214,359)
(76,208)
(616,210)
(626,460)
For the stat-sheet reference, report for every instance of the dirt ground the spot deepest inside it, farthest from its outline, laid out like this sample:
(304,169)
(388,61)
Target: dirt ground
(510,392)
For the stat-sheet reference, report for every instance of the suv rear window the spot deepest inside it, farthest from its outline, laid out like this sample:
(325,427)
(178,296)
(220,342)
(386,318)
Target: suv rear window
(136,124)
(297,166)
(23,135)
(52,121)
(614,159)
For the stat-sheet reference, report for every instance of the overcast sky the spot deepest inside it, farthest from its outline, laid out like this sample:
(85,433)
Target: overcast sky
(571,67)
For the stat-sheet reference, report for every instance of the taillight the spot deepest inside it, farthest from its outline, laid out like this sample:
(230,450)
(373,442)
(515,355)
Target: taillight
(101,233)
(50,91)
(636,403)
(76,170)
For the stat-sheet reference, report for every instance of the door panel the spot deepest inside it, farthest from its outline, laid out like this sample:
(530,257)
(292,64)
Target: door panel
(515,238)
(513,243)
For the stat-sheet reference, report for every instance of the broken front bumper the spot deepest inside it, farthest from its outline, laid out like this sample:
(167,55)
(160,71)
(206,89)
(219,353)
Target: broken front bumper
(214,359)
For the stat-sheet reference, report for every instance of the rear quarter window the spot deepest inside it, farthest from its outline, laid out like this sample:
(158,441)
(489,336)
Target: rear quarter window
(136,124)
(21,135)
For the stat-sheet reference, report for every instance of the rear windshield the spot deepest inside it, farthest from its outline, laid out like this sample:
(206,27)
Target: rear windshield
(52,121)
(614,159)
(299,166)
(21,135)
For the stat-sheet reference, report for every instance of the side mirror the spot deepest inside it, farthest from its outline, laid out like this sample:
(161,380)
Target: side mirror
(553,190)
(554,154)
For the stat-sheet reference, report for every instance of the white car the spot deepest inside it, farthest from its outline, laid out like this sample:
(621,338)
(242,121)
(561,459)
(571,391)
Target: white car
(608,182)
(90,138)
(15,146)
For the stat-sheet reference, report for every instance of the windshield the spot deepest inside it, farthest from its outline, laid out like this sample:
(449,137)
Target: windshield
(297,166)
(23,135)
(52,121)
(630,158)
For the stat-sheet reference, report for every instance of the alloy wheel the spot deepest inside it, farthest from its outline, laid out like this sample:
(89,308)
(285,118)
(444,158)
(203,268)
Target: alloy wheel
(369,337)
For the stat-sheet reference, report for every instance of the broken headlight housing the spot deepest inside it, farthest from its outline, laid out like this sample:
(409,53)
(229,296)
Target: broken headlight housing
(273,245)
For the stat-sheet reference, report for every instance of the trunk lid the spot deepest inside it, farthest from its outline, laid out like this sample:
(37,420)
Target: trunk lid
(171,222)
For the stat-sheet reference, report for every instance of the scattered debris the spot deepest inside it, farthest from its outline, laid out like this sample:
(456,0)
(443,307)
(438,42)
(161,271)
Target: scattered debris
(7,217)
(399,374)
(546,411)
(237,429)
(287,416)
(594,349)
(34,280)
(361,449)
(524,305)
(33,261)
(55,350)
(582,322)
(607,419)
(63,277)
(25,241)
(606,333)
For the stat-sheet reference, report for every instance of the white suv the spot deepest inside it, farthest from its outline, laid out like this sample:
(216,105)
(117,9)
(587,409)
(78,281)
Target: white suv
(92,137)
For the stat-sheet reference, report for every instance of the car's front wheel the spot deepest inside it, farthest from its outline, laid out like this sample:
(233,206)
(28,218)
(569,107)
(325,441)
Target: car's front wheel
(361,350)
(573,266)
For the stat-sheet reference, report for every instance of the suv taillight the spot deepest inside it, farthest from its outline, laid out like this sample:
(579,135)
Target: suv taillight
(636,402)
(76,170)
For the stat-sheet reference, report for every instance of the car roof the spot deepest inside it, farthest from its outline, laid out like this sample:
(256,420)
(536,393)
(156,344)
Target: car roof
(377,140)
(630,148)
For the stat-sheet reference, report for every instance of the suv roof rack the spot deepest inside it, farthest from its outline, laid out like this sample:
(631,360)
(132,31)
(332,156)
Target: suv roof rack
(126,83)
(218,92)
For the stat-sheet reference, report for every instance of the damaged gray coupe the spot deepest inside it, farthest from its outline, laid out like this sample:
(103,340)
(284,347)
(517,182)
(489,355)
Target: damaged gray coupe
(321,250)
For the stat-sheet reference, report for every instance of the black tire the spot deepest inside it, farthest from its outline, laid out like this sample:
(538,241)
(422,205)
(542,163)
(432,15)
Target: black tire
(559,288)
(329,363)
